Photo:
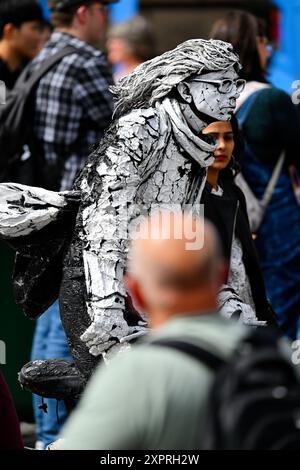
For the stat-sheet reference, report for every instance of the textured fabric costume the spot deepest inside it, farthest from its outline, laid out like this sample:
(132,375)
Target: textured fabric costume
(153,154)
(147,174)
(149,157)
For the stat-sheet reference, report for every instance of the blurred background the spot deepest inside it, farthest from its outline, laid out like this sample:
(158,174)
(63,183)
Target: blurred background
(177,20)
(173,21)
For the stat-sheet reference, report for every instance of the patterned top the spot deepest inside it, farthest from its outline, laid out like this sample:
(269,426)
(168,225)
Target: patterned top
(73,105)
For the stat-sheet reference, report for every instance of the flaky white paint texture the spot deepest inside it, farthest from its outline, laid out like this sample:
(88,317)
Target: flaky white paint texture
(158,157)
(24,209)
(157,160)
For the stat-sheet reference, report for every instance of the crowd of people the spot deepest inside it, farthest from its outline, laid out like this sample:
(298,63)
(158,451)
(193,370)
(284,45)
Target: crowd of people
(195,294)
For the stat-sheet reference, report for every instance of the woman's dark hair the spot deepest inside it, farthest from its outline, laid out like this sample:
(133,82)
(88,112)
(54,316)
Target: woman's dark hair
(242,29)
(234,166)
(18,12)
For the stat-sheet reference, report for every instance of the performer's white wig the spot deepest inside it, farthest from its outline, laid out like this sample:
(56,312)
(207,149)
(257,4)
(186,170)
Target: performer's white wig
(154,79)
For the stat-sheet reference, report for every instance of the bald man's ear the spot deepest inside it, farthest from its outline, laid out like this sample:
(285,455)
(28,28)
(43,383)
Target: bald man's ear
(132,286)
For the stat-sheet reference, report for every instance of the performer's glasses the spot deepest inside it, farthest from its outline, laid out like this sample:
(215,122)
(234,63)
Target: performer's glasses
(226,85)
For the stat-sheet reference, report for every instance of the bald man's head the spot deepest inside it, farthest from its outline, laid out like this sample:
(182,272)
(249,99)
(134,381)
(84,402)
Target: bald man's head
(174,265)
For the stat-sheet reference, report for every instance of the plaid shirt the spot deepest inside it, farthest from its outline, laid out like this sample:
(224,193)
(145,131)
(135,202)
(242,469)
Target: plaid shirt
(73,106)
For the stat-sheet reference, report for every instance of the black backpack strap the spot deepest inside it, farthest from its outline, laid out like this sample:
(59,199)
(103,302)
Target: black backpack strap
(45,66)
(211,360)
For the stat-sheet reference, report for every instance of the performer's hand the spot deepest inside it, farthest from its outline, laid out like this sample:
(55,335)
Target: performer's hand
(107,328)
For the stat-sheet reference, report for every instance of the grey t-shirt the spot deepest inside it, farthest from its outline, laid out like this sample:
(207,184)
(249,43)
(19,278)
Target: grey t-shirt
(152,397)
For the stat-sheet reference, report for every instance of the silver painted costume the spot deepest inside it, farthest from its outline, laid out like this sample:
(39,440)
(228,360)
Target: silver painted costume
(153,154)
(154,160)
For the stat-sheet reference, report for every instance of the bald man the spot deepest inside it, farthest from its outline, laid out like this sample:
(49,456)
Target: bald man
(155,397)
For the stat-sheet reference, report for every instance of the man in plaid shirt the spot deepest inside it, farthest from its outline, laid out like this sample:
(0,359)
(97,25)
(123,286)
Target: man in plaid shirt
(73,104)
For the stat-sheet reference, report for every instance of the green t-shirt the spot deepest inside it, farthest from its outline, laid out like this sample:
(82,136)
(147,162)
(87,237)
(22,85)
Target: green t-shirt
(152,397)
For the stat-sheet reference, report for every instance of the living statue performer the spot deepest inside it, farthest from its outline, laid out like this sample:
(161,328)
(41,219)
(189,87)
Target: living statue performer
(154,153)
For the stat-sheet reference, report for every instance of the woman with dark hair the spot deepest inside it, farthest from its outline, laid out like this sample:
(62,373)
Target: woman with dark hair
(248,36)
(225,206)
(270,126)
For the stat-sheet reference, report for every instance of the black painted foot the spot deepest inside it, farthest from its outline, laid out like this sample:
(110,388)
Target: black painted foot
(53,378)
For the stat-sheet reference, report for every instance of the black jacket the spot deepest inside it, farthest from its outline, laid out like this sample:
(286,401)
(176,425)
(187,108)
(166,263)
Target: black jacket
(229,213)
(9,77)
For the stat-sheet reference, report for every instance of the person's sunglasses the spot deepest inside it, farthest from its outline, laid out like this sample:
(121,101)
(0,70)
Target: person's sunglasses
(226,85)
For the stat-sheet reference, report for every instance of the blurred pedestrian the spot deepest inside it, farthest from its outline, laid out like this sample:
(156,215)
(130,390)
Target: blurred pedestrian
(73,105)
(129,44)
(270,127)
(20,37)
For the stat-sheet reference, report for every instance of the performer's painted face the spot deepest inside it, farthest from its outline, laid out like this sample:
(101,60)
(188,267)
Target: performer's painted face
(215,93)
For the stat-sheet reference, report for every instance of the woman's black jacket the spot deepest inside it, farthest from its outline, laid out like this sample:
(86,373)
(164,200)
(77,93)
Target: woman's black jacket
(228,213)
